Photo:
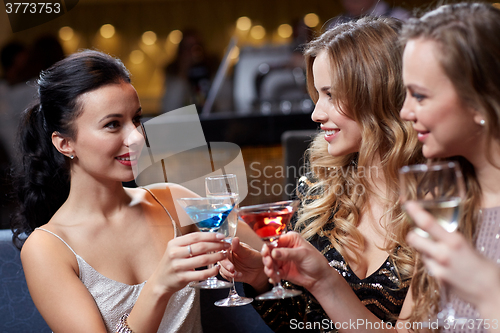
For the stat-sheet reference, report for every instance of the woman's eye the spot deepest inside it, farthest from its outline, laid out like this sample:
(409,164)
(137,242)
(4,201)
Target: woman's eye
(418,97)
(137,119)
(112,124)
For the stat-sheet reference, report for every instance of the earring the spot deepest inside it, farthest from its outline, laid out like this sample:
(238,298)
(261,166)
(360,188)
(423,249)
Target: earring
(71,156)
(482,122)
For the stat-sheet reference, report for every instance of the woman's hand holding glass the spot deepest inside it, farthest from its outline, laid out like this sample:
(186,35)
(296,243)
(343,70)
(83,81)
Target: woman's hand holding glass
(186,253)
(269,222)
(225,185)
(209,214)
(297,261)
(244,264)
(452,260)
(438,187)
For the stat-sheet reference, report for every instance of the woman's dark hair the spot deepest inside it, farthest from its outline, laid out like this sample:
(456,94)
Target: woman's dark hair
(41,181)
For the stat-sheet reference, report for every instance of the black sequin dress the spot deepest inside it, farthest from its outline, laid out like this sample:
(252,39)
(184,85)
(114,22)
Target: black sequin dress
(382,292)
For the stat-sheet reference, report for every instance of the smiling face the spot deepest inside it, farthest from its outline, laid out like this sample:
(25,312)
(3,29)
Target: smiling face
(445,124)
(341,132)
(107,141)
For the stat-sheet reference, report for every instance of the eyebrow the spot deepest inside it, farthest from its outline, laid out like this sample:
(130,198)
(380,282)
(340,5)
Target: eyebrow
(415,87)
(117,115)
(324,89)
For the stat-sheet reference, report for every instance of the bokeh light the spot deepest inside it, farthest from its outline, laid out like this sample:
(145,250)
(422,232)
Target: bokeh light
(243,23)
(175,36)
(66,33)
(258,32)
(136,57)
(235,53)
(149,38)
(311,20)
(285,30)
(107,31)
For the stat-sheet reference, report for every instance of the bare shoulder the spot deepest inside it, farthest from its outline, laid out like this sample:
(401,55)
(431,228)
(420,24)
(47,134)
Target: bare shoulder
(42,249)
(51,272)
(167,194)
(175,191)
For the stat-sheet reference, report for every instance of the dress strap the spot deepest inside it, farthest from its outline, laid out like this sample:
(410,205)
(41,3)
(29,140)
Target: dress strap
(62,240)
(177,231)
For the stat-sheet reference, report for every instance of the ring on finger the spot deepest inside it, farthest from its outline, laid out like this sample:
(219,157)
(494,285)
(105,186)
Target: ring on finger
(189,250)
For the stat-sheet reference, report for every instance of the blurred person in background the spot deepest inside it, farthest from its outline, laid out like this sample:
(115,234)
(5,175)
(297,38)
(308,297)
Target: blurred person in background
(21,66)
(189,76)
(354,9)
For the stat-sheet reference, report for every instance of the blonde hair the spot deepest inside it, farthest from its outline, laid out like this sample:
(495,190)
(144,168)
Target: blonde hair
(365,58)
(467,35)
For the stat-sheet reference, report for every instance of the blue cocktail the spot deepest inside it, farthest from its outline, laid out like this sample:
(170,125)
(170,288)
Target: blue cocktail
(209,215)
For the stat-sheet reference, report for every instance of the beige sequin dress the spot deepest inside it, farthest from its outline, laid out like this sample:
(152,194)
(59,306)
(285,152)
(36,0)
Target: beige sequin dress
(488,244)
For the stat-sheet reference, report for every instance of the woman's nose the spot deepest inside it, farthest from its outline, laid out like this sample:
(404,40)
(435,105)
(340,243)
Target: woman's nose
(319,115)
(407,112)
(135,136)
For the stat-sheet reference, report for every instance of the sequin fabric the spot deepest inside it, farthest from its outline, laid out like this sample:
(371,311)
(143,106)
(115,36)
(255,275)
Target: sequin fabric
(114,298)
(488,244)
(382,292)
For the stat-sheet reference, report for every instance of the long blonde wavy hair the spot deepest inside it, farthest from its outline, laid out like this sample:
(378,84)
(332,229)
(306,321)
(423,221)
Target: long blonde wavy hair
(467,35)
(366,65)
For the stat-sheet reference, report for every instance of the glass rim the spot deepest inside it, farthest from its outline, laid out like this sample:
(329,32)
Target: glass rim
(434,166)
(294,203)
(228,175)
(218,198)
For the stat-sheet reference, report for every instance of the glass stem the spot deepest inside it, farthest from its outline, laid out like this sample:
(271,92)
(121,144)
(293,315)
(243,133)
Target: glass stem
(448,312)
(232,291)
(212,279)
(277,288)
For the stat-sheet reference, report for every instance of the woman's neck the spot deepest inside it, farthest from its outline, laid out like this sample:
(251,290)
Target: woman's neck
(92,196)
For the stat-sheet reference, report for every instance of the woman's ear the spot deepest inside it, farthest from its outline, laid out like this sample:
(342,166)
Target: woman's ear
(63,144)
(479,119)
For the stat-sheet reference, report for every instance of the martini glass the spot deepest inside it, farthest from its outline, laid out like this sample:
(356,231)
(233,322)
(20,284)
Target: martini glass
(269,222)
(227,185)
(209,214)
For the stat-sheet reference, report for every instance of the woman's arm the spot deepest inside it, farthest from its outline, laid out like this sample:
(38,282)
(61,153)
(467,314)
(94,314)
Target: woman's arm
(66,305)
(301,263)
(175,271)
(51,272)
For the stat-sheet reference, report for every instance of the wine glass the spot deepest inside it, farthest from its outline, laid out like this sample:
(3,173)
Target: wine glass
(439,188)
(269,222)
(225,185)
(209,214)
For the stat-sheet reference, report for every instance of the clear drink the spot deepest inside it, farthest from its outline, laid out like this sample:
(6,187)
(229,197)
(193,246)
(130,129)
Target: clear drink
(446,212)
(229,229)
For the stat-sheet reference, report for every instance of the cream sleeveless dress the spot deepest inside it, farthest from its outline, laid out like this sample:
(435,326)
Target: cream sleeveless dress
(114,298)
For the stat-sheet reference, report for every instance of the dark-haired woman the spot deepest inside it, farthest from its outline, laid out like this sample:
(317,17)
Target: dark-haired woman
(101,257)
